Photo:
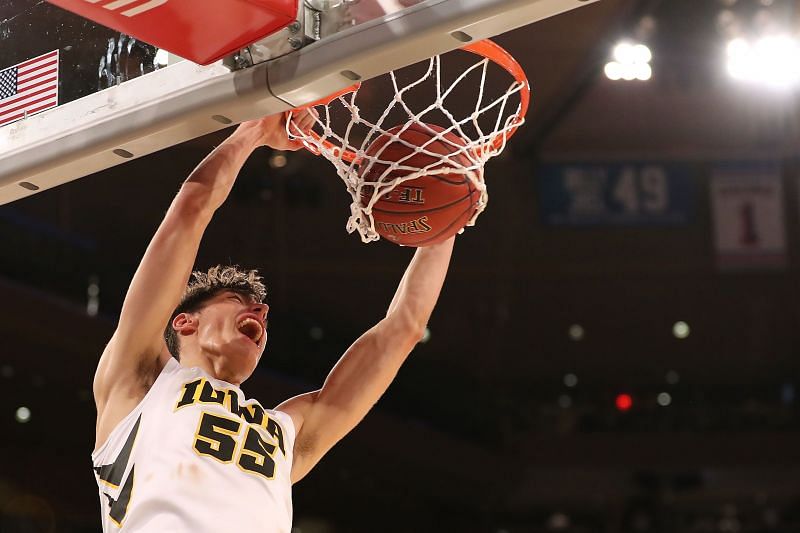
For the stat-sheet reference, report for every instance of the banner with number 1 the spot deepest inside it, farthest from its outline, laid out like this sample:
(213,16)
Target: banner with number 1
(747,205)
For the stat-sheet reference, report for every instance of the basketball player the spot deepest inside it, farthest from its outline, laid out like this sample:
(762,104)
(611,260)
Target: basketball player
(179,448)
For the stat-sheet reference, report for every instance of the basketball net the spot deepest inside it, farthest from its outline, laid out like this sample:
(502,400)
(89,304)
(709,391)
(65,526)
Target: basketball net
(485,127)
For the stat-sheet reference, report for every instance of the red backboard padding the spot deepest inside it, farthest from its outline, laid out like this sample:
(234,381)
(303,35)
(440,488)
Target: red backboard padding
(199,30)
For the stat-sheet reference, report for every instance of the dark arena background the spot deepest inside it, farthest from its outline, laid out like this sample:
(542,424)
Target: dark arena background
(617,346)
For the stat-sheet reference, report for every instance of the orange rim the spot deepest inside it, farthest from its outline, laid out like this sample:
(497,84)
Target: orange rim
(498,54)
(486,48)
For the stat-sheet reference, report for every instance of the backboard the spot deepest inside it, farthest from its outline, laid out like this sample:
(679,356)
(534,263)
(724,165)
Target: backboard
(120,98)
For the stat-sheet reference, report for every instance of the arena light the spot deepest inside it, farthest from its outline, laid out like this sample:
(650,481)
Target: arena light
(627,53)
(664,399)
(316,333)
(771,61)
(23,415)
(631,62)
(644,72)
(681,330)
(93,297)
(576,332)
(278,159)
(559,521)
(624,402)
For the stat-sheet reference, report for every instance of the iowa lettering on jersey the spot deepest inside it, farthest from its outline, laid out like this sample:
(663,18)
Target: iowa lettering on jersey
(200,391)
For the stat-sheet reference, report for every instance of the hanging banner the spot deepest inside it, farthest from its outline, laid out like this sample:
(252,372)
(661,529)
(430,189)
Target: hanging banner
(748,214)
(616,194)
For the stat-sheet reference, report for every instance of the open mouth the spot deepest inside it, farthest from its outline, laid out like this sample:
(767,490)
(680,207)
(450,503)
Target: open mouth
(251,328)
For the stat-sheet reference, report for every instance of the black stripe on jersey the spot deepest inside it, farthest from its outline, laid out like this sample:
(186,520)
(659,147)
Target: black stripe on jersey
(119,507)
(274,429)
(112,474)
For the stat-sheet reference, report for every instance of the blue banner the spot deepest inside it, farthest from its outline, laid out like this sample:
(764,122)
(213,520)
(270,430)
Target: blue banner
(616,194)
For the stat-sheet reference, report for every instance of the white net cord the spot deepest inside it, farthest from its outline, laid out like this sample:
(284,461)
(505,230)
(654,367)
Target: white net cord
(467,159)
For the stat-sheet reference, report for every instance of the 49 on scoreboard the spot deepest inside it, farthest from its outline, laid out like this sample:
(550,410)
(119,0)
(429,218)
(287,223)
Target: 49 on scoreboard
(616,194)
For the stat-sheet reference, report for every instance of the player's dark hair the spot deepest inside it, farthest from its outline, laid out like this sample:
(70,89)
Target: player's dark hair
(205,285)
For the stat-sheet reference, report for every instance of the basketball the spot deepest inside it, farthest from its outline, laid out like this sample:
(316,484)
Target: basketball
(431,208)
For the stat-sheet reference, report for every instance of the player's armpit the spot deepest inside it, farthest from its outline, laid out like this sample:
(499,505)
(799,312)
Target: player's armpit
(148,369)
(296,408)
(115,402)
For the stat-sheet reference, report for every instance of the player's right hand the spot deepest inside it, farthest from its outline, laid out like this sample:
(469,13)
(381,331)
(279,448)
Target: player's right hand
(272,128)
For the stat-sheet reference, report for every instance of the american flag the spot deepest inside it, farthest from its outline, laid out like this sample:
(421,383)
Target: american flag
(29,87)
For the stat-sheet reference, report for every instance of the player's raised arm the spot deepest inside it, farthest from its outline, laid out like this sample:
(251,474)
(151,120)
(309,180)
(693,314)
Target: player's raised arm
(365,371)
(135,354)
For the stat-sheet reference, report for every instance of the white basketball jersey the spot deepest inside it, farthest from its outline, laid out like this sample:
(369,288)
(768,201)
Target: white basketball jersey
(194,456)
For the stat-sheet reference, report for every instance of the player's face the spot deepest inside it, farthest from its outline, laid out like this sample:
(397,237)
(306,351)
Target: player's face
(235,328)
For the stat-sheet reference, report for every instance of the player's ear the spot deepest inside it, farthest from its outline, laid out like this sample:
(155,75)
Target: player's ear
(185,323)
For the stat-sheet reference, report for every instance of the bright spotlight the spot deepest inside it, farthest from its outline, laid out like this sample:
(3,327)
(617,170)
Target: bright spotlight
(278,160)
(642,54)
(631,62)
(613,71)
(644,72)
(770,61)
(664,399)
(576,332)
(681,330)
(742,64)
(738,47)
(779,55)
(629,73)
(625,53)
(23,415)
